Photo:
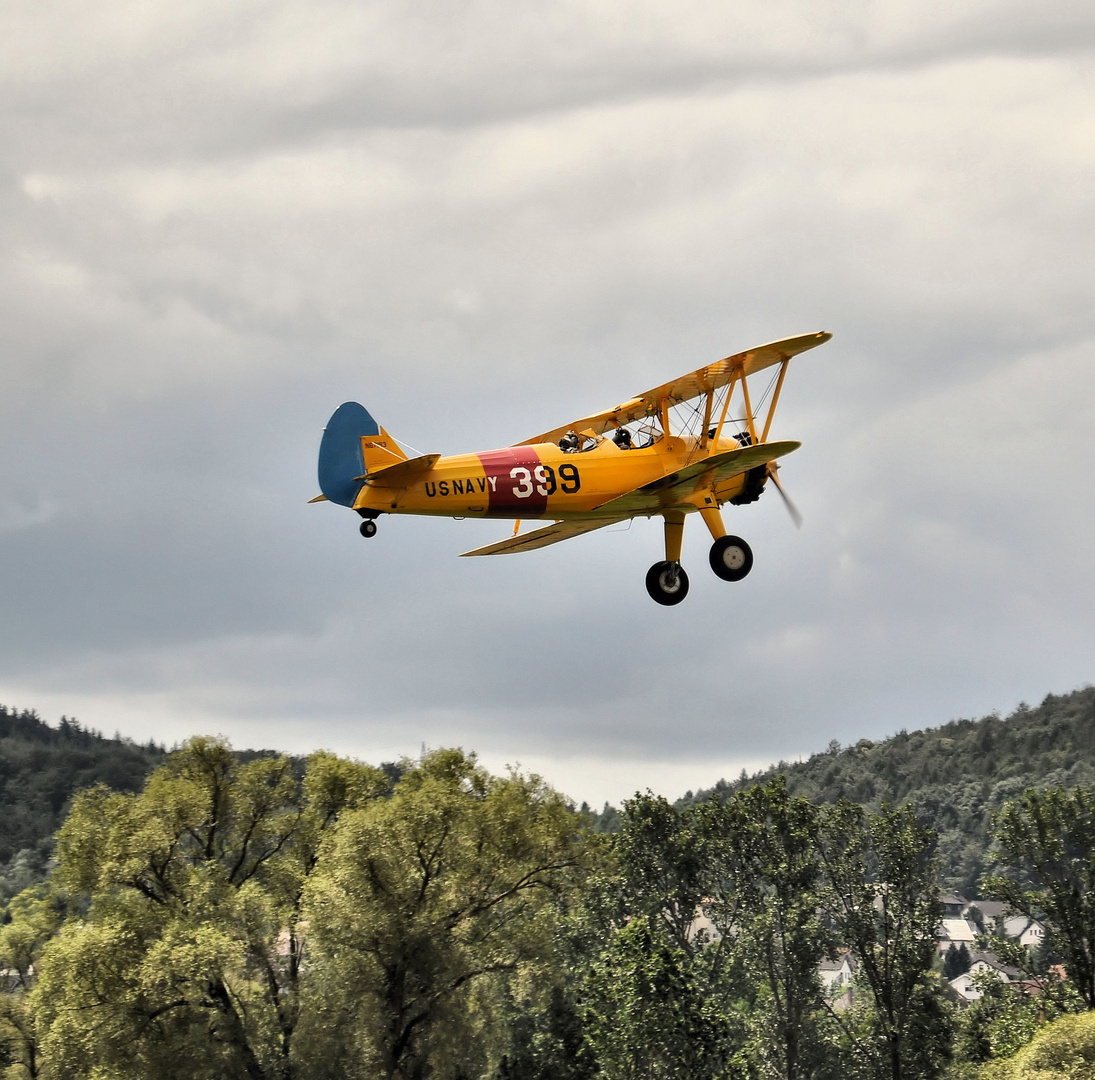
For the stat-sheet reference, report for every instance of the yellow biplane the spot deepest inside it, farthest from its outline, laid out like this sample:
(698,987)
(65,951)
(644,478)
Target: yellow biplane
(675,450)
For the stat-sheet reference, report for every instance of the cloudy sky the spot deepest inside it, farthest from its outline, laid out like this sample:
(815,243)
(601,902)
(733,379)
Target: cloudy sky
(220,220)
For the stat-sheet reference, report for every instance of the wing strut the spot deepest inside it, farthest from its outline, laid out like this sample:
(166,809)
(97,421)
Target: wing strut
(707,402)
(775,400)
(726,405)
(748,409)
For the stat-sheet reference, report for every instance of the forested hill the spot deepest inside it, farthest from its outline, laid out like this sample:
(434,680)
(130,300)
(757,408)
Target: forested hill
(955,775)
(41,768)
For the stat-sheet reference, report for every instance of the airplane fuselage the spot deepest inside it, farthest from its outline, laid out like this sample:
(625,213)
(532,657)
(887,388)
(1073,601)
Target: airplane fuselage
(541,481)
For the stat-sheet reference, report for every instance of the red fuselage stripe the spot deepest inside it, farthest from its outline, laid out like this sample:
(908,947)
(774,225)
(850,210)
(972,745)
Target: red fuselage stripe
(515,486)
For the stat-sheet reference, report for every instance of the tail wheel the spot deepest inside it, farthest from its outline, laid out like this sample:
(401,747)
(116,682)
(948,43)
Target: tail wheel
(367,528)
(731,558)
(667,583)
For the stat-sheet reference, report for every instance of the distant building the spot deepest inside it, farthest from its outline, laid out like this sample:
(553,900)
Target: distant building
(955,932)
(954,904)
(965,987)
(837,977)
(987,912)
(997,917)
(1027,931)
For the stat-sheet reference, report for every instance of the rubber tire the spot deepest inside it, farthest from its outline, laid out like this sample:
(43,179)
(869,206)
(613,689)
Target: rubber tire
(731,558)
(657,590)
(367,528)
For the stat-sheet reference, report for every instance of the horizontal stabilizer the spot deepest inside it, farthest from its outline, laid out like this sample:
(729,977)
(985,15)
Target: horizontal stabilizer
(318,498)
(561,530)
(402,473)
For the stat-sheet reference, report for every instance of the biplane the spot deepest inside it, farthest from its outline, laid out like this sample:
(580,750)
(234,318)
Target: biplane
(675,450)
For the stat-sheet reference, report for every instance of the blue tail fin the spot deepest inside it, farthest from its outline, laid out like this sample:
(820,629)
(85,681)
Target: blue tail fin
(340,457)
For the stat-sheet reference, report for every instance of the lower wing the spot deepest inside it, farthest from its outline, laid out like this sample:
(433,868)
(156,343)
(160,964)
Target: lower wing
(675,489)
(652,498)
(561,530)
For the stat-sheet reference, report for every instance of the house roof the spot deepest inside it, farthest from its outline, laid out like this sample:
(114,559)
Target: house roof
(993,961)
(990,909)
(956,930)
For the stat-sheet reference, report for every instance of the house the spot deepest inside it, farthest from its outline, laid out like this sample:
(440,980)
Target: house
(954,904)
(965,987)
(954,932)
(995,916)
(701,923)
(836,977)
(1028,932)
(986,913)
(989,961)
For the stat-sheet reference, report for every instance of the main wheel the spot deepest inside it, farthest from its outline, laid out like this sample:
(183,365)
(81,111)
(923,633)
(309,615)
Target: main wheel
(731,558)
(367,528)
(667,583)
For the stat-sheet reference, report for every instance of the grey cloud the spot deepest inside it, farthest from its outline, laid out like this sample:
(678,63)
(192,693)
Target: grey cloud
(220,256)
(222,81)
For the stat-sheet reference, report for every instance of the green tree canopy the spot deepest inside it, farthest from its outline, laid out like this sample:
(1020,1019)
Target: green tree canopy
(425,901)
(1047,839)
(182,955)
(882,901)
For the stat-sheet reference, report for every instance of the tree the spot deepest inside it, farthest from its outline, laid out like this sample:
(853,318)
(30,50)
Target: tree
(1063,1048)
(1001,1021)
(649,1015)
(183,953)
(767,844)
(712,945)
(956,961)
(547,1036)
(882,903)
(426,903)
(33,918)
(658,991)
(1047,841)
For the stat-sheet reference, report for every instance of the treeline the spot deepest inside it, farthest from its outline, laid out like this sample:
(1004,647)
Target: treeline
(41,768)
(956,776)
(250,918)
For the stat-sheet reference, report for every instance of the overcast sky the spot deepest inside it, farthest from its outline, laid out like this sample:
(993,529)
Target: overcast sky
(221,220)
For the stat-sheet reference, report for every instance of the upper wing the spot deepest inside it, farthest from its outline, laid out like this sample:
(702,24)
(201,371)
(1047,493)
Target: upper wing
(687,386)
(561,530)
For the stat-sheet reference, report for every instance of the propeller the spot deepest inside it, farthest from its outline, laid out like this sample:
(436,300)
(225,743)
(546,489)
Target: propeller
(796,517)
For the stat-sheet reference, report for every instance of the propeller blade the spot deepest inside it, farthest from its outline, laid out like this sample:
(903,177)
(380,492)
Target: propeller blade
(796,517)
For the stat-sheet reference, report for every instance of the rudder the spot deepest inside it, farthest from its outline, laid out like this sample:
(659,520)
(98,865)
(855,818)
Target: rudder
(353,444)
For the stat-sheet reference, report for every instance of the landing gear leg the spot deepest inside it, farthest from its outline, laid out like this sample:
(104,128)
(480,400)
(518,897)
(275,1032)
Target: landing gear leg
(666,582)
